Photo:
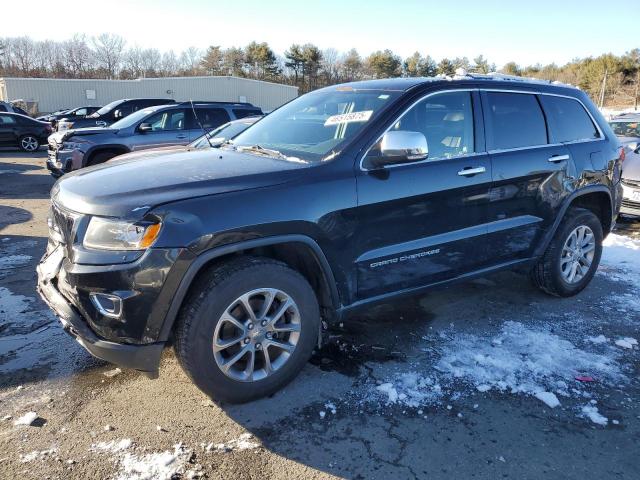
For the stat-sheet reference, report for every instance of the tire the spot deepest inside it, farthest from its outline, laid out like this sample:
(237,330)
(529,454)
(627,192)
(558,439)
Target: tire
(100,157)
(201,321)
(29,143)
(550,273)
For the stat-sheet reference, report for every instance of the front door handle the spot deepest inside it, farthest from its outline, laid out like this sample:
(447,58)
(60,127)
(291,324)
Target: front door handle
(468,172)
(181,136)
(558,158)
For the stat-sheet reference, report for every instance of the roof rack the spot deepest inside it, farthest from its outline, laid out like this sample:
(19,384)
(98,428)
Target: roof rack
(462,74)
(189,102)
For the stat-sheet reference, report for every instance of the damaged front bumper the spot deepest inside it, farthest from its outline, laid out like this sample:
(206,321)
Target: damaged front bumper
(144,358)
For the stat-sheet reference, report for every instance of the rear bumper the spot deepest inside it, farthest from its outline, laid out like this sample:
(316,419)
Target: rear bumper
(144,358)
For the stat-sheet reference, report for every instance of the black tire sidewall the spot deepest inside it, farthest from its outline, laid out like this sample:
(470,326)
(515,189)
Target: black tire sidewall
(583,217)
(204,370)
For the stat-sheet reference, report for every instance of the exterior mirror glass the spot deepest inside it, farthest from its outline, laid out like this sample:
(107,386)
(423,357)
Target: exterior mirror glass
(145,127)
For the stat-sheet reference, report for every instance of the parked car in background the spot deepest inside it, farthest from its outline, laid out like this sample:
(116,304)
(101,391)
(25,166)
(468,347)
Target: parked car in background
(111,113)
(161,125)
(24,132)
(12,108)
(627,129)
(343,198)
(213,139)
(72,114)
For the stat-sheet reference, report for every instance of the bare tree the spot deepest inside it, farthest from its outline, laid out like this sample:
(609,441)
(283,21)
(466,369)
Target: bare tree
(108,49)
(190,61)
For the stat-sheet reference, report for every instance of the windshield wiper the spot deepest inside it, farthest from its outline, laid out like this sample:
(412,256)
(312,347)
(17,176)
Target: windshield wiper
(264,151)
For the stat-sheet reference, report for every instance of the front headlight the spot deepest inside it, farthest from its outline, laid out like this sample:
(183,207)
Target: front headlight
(106,234)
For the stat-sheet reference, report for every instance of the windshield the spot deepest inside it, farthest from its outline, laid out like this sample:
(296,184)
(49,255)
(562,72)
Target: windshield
(106,109)
(317,125)
(626,129)
(220,134)
(132,119)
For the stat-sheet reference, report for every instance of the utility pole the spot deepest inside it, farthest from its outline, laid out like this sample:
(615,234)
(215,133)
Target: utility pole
(604,87)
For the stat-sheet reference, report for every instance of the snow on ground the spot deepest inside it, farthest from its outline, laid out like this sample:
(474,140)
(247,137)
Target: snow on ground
(26,419)
(37,455)
(243,442)
(591,412)
(541,359)
(156,465)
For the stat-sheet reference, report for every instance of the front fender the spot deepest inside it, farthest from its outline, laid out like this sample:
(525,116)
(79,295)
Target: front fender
(199,261)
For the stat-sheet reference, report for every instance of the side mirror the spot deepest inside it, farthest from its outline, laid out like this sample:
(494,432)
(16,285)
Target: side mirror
(401,146)
(145,127)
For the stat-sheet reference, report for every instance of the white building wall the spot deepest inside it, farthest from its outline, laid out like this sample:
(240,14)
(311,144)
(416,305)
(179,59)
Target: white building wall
(52,94)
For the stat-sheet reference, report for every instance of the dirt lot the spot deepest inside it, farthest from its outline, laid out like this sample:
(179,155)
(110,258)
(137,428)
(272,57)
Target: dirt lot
(488,379)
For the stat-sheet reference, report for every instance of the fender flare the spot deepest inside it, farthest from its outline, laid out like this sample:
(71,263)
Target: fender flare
(198,263)
(544,243)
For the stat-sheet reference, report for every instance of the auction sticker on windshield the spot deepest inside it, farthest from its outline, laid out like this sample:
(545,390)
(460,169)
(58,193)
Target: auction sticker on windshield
(352,117)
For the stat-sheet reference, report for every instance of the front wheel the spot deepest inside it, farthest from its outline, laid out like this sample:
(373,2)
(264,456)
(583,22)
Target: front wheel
(572,257)
(247,328)
(29,143)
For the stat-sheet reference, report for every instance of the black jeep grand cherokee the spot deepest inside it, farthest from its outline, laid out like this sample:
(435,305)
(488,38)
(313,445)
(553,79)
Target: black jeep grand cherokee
(346,196)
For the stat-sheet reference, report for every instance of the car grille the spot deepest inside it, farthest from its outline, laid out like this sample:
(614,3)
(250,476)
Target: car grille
(631,183)
(629,204)
(64,224)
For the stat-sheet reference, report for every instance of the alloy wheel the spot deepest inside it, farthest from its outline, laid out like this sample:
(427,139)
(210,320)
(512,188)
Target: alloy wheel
(256,335)
(30,144)
(577,254)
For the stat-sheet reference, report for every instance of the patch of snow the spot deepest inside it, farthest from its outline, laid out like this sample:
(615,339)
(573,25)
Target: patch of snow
(113,446)
(549,398)
(157,466)
(112,373)
(527,360)
(331,407)
(598,340)
(26,419)
(37,455)
(627,342)
(591,412)
(243,442)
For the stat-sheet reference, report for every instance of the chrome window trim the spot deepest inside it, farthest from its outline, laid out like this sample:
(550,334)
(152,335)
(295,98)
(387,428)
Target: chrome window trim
(488,152)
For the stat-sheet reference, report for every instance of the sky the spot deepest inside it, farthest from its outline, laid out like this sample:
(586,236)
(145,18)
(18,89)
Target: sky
(538,31)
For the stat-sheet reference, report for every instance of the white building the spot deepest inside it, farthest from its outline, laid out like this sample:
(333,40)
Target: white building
(50,94)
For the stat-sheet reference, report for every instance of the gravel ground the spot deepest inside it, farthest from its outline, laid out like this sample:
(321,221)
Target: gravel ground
(487,379)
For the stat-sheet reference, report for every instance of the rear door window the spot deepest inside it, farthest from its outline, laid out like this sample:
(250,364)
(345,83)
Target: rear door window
(245,112)
(210,118)
(568,120)
(516,121)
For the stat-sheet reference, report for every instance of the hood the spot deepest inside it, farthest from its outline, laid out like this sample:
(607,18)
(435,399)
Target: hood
(60,137)
(129,187)
(150,152)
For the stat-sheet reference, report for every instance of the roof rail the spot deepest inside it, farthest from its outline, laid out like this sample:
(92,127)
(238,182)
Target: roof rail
(461,74)
(189,102)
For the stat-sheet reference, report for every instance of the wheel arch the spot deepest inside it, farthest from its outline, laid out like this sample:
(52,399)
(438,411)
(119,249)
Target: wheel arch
(596,198)
(117,149)
(300,252)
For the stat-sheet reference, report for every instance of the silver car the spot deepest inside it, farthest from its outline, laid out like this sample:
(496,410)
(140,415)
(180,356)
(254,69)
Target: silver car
(627,129)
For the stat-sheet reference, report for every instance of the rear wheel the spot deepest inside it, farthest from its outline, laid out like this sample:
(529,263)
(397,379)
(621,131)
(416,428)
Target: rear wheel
(29,143)
(572,257)
(247,329)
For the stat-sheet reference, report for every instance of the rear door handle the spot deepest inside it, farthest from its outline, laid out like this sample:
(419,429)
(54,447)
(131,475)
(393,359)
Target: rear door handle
(468,172)
(558,158)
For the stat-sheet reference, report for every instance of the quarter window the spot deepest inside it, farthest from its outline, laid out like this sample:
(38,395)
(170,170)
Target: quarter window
(7,120)
(446,120)
(568,121)
(516,121)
